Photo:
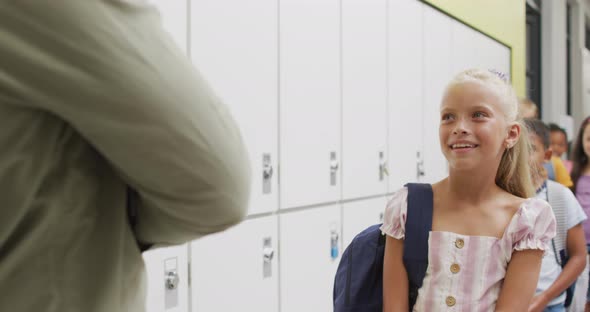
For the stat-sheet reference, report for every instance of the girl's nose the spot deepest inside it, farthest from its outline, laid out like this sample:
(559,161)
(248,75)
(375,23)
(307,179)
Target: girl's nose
(460,128)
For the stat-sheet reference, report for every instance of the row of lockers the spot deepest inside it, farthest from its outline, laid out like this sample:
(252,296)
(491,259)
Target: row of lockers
(337,101)
(337,93)
(247,269)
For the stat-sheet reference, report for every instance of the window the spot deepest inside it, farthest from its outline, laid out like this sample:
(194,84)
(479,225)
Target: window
(533,53)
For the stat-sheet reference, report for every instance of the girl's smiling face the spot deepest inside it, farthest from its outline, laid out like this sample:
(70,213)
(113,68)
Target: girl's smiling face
(474,130)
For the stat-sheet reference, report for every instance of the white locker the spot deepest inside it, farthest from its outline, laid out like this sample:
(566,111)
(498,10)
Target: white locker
(167,274)
(310,252)
(364,98)
(437,74)
(466,52)
(234,44)
(167,268)
(405,70)
(174,19)
(495,55)
(309,102)
(237,270)
(473,49)
(359,215)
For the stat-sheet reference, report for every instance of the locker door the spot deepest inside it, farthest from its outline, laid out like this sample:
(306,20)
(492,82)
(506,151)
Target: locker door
(358,215)
(174,20)
(466,52)
(472,49)
(310,102)
(310,253)
(405,71)
(496,56)
(364,103)
(437,74)
(237,270)
(167,273)
(234,44)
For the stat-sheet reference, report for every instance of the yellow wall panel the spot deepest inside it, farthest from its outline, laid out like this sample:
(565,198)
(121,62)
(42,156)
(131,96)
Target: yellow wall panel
(504,20)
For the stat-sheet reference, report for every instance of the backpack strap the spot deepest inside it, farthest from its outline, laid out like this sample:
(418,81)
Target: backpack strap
(556,196)
(418,227)
(556,199)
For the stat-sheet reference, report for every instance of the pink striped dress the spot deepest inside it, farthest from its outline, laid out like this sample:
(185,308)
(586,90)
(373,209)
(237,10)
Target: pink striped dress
(465,273)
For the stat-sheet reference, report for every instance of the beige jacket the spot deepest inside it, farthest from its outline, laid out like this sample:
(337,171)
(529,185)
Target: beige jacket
(95,98)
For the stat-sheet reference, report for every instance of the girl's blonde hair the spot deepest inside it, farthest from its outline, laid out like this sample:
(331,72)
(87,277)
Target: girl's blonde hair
(514,174)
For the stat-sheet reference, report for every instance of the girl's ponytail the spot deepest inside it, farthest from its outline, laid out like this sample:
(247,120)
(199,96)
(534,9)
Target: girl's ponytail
(514,172)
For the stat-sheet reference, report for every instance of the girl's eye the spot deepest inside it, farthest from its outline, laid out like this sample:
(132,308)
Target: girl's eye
(479,115)
(447,117)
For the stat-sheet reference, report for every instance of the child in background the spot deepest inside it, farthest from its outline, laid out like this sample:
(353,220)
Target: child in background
(555,168)
(553,280)
(528,109)
(581,178)
(561,173)
(559,144)
(487,240)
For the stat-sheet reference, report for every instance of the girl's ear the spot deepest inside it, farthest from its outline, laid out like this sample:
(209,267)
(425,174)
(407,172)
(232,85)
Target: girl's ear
(513,135)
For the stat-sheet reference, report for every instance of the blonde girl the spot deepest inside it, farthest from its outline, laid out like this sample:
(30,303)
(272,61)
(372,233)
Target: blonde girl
(487,238)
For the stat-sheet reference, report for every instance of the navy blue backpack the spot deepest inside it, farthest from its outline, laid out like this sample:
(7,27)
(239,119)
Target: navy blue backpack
(358,286)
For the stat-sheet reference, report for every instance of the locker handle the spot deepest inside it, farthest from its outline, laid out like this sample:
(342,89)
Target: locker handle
(267,171)
(383,169)
(268,254)
(172,280)
(334,165)
(420,169)
(334,237)
(419,165)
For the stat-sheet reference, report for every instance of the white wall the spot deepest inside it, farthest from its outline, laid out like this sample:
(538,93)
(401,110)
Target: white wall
(553,60)
(577,57)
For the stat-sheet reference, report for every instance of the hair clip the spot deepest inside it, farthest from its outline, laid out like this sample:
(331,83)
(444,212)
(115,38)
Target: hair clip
(499,74)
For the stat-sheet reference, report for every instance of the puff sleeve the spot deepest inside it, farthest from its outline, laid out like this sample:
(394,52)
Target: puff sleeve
(534,226)
(394,217)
